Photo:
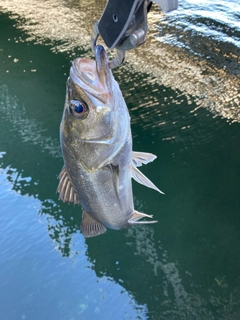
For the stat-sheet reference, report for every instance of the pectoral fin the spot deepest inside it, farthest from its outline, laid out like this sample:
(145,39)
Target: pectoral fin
(139,215)
(90,227)
(142,179)
(115,176)
(65,188)
(139,158)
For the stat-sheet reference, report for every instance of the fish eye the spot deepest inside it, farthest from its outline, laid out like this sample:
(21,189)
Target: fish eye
(78,109)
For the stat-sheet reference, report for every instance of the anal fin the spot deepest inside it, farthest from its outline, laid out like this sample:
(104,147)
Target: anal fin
(139,215)
(65,188)
(90,227)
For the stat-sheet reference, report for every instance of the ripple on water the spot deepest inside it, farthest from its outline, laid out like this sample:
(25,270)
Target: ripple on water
(194,49)
(14,206)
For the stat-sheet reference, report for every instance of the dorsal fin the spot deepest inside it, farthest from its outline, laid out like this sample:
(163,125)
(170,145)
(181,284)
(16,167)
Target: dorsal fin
(90,227)
(139,158)
(65,188)
(142,179)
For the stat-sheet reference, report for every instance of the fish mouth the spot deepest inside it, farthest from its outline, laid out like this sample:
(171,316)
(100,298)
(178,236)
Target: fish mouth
(94,77)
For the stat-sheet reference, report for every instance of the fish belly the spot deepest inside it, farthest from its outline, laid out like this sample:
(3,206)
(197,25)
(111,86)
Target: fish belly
(104,197)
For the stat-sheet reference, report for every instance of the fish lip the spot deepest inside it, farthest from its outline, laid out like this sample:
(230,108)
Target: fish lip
(102,64)
(101,57)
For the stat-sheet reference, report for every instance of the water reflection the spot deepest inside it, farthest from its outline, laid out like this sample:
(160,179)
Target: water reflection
(169,290)
(30,130)
(194,50)
(185,267)
(19,219)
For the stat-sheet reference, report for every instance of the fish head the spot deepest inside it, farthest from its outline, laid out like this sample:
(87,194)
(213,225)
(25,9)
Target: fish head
(89,111)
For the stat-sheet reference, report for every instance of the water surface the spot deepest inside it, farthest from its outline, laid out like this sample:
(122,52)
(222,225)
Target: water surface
(182,90)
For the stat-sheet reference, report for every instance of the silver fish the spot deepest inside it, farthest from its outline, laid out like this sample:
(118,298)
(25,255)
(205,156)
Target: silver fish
(96,144)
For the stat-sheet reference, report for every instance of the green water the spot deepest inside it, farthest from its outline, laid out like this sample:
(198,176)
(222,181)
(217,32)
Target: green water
(184,267)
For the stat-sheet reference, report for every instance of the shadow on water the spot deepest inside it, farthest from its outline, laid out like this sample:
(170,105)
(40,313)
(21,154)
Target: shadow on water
(184,267)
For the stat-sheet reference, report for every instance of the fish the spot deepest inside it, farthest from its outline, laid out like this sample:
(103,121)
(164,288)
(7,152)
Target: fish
(96,145)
